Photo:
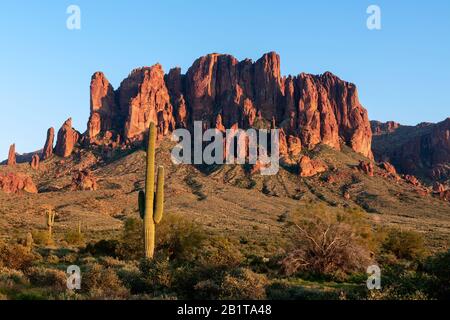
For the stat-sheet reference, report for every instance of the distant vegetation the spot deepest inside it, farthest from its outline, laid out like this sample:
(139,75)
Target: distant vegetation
(326,258)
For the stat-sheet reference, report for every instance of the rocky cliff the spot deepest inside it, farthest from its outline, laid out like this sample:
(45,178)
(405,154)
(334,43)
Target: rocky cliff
(224,92)
(422,150)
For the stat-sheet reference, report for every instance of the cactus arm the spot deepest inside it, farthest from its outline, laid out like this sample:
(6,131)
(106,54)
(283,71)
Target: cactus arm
(159,201)
(141,201)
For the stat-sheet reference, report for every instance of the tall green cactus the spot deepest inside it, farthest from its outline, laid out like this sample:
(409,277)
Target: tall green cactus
(50,221)
(151,209)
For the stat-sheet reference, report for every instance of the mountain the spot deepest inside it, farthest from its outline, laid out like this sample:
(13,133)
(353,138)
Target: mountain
(325,146)
(223,93)
(422,150)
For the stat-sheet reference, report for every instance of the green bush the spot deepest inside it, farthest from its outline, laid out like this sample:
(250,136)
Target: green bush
(14,256)
(179,238)
(131,246)
(40,237)
(102,283)
(243,284)
(103,248)
(438,268)
(43,277)
(404,244)
(73,237)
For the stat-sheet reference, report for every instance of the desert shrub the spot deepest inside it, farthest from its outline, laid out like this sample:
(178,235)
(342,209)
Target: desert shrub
(404,244)
(52,259)
(157,275)
(102,283)
(73,237)
(438,268)
(176,236)
(11,277)
(110,262)
(416,280)
(131,244)
(103,248)
(132,278)
(328,241)
(14,256)
(43,277)
(243,284)
(220,252)
(40,237)
(283,290)
(179,238)
(203,278)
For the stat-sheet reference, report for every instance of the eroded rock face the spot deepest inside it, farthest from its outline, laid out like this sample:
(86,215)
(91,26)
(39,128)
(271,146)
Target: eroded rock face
(104,112)
(438,187)
(379,128)
(146,98)
(12,155)
(35,162)
(16,182)
(310,167)
(388,167)
(317,109)
(84,180)
(366,167)
(422,150)
(67,139)
(412,180)
(224,92)
(47,152)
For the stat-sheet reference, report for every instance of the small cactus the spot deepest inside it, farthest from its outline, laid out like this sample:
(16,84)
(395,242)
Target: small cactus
(50,221)
(29,242)
(151,209)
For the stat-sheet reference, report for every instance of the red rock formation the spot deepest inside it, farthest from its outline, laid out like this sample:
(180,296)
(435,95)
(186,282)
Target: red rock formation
(35,162)
(379,128)
(294,145)
(317,109)
(366,167)
(438,188)
(47,152)
(12,155)
(145,97)
(104,111)
(412,180)
(388,167)
(16,182)
(84,180)
(67,138)
(422,150)
(310,109)
(309,167)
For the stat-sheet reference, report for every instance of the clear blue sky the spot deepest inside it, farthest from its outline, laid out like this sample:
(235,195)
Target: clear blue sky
(402,71)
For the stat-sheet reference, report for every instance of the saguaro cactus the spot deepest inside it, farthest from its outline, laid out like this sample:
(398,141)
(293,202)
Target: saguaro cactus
(151,203)
(50,221)
(29,242)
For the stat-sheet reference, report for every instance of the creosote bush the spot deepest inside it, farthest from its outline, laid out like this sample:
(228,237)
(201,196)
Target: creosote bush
(404,244)
(15,256)
(328,241)
(73,237)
